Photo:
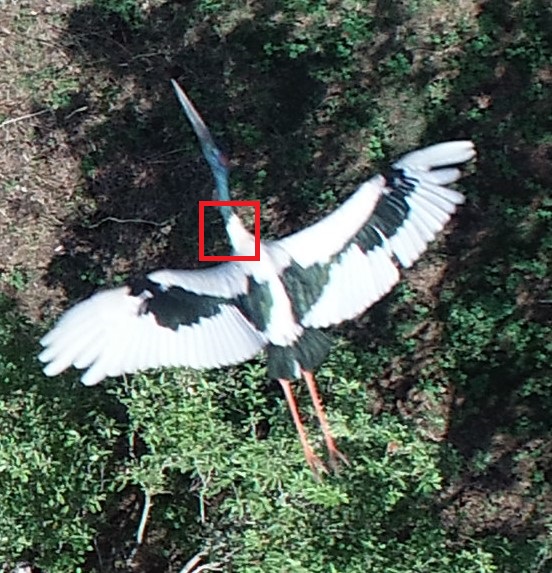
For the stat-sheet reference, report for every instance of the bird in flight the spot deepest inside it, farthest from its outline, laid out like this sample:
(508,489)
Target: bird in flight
(320,276)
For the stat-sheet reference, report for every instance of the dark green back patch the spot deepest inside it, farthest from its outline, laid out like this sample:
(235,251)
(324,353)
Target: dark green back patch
(309,351)
(256,305)
(175,306)
(304,286)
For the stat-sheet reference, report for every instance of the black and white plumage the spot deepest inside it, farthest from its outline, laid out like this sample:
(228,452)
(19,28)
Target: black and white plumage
(320,276)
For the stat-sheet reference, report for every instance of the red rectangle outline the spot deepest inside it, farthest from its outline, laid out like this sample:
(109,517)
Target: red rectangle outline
(218,258)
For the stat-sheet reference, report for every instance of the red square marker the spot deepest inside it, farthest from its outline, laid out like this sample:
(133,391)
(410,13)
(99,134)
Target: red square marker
(255,204)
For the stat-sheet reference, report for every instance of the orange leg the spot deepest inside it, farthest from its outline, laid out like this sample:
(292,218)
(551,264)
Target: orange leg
(313,460)
(334,453)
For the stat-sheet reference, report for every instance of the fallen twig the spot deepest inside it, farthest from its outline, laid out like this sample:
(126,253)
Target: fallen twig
(23,117)
(117,220)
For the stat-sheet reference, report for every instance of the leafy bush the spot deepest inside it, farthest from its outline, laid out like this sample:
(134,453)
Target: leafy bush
(56,458)
(259,508)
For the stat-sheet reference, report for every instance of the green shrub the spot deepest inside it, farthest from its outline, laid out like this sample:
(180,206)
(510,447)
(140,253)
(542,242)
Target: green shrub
(56,449)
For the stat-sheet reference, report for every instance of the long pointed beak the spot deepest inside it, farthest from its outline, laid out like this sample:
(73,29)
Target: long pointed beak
(216,160)
(193,115)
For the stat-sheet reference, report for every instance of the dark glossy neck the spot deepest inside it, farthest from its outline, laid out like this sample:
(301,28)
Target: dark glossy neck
(223,192)
(226,213)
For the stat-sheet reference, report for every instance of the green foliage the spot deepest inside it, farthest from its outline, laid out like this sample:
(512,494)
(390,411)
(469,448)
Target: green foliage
(16,279)
(52,87)
(55,459)
(127,10)
(310,34)
(260,510)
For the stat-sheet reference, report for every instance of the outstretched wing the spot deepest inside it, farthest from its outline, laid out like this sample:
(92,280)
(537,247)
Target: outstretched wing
(346,262)
(170,318)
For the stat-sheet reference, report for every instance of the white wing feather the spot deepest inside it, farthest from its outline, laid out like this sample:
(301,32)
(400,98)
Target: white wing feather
(109,334)
(319,242)
(226,280)
(430,206)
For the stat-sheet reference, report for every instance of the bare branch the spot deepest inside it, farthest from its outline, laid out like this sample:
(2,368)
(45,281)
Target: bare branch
(23,117)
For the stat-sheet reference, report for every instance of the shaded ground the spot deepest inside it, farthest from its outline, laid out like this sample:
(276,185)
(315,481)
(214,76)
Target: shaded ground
(100,175)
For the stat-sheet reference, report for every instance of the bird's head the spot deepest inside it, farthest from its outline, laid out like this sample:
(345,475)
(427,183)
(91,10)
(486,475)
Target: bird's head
(217,161)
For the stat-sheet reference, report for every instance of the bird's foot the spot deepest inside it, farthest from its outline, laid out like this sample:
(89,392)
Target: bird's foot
(317,466)
(336,457)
